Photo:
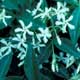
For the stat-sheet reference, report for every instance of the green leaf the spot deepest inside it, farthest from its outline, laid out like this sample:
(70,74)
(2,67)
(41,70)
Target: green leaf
(2,26)
(31,66)
(2,78)
(14,4)
(14,78)
(5,64)
(11,4)
(74,34)
(68,47)
(63,72)
(72,2)
(47,52)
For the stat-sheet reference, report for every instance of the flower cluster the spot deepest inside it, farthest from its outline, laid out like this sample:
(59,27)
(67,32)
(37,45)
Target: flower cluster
(43,34)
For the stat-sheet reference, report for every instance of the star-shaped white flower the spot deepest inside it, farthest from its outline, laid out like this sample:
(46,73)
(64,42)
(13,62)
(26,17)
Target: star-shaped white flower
(36,9)
(60,10)
(20,41)
(45,34)
(37,45)
(7,48)
(21,56)
(69,60)
(64,23)
(3,16)
(44,13)
(24,29)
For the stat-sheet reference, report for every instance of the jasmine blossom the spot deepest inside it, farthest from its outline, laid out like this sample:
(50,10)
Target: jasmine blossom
(43,14)
(45,34)
(7,48)
(3,17)
(34,12)
(37,8)
(21,41)
(22,55)
(24,29)
(64,23)
(68,60)
(60,10)
(37,45)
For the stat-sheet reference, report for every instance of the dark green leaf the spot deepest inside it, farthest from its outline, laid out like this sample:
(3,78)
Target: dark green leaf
(14,78)
(2,78)
(5,65)
(67,47)
(45,53)
(74,34)
(31,66)
(62,72)
(15,4)
(72,2)
(11,4)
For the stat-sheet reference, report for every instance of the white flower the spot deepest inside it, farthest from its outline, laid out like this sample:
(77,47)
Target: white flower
(69,60)
(22,56)
(37,45)
(24,29)
(45,34)
(60,10)
(44,13)
(64,23)
(3,17)
(7,48)
(37,8)
(21,41)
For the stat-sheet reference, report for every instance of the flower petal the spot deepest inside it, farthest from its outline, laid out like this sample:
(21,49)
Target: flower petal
(70,18)
(30,24)
(30,32)
(22,23)
(18,30)
(58,23)
(71,26)
(59,5)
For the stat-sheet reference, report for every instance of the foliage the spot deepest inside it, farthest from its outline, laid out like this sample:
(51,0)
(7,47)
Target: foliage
(38,34)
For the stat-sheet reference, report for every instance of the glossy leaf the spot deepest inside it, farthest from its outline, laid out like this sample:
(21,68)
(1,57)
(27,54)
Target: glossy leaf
(45,53)
(5,64)
(74,34)
(72,2)
(67,47)
(14,78)
(14,4)
(31,66)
